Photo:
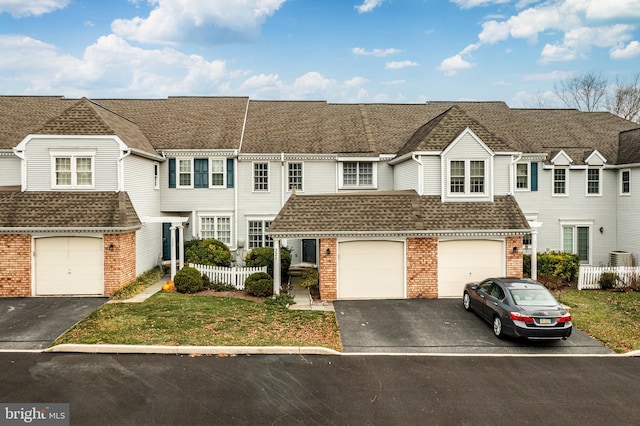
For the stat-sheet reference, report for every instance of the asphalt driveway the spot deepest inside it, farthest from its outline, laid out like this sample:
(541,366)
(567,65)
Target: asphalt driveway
(36,322)
(437,326)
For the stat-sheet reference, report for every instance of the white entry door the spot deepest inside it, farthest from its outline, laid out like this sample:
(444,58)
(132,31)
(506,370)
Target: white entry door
(463,261)
(68,266)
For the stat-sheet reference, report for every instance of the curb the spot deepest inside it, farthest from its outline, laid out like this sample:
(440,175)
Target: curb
(192,350)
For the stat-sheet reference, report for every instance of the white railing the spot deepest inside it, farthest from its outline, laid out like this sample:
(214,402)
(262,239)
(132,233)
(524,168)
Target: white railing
(589,276)
(233,276)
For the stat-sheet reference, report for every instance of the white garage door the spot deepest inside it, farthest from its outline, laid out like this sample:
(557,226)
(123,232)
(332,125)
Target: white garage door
(371,270)
(69,266)
(460,262)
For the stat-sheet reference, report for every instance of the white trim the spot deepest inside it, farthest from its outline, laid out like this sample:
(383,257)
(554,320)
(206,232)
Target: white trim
(73,156)
(621,183)
(575,224)
(586,182)
(288,176)
(224,173)
(253,176)
(156,175)
(216,216)
(178,173)
(374,173)
(566,181)
(467,179)
(528,187)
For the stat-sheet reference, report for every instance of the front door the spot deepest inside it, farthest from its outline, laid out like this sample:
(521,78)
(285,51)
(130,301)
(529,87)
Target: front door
(166,242)
(309,251)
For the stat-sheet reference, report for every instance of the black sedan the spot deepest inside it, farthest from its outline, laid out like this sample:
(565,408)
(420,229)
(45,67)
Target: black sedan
(518,307)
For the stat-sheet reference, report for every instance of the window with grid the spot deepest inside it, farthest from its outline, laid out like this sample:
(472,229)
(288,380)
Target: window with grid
(575,239)
(476,177)
(522,176)
(72,172)
(559,181)
(156,176)
(357,173)
(456,172)
(260,176)
(625,182)
(257,237)
(218,227)
(295,176)
(184,173)
(593,181)
(217,172)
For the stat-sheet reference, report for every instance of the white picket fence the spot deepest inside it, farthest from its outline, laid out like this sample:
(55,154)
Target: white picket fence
(234,276)
(589,276)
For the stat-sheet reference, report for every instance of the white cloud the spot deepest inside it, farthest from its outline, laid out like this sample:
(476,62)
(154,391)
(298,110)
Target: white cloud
(375,52)
(211,21)
(467,4)
(550,76)
(452,65)
(356,82)
(396,65)
(368,6)
(629,51)
(612,9)
(21,8)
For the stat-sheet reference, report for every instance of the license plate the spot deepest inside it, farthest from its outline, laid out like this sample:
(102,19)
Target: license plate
(545,321)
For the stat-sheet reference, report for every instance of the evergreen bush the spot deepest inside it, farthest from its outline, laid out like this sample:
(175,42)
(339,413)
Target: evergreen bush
(259,284)
(188,280)
(207,252)
(263,256)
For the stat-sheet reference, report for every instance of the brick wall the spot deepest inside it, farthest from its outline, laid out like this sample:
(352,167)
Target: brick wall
(119,263)
(422,268)
(328,269)
(514,260)
(15,265)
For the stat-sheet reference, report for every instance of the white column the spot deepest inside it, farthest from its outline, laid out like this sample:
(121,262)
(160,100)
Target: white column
(173,251)
(277,272)
(181,245)
(534,254)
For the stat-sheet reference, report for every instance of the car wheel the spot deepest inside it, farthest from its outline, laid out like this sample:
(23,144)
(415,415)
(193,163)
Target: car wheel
(497,327)
(466,301)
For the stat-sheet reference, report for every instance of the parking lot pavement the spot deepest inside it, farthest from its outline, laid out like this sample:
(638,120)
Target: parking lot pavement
(438,326)
(36,322)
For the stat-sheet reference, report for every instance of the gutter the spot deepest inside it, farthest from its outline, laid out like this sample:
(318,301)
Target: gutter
(449,233)
(511,179)
(106,230)
(415,157)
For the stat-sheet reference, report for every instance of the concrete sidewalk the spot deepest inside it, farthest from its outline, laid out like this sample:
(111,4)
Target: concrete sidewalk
(303,298)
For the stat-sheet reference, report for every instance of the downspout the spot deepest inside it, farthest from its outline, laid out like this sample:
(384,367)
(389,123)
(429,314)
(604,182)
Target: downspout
(23,167)
(235,176)
(121,170)
(417,159)
(512,190)
(283,187)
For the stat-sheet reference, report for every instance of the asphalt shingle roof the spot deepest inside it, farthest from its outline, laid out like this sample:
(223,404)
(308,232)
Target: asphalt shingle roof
(77,210)
(394,212)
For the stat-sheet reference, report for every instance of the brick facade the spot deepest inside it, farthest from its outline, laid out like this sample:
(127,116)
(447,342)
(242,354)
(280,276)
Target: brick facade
(328,269)
(514,258)
(119,261)
(15,265)
(422,268)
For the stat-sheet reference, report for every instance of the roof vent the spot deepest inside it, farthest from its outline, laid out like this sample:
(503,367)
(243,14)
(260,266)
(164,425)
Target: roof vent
(620,258)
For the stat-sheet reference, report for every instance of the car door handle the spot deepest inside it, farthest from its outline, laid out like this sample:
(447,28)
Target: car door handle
(495,303)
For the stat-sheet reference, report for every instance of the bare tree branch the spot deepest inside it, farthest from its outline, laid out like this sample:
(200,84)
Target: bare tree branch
(625,99)
(585,92)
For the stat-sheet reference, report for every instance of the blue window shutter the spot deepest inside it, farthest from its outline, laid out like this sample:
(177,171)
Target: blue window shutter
(230,174)
(201,173)
(172,172)
(534,176)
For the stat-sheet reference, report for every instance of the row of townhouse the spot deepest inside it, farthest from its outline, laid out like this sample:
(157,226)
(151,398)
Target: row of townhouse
(389,200)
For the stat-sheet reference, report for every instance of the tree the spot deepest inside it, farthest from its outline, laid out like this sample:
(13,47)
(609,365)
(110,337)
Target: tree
(625,99)
(586,92)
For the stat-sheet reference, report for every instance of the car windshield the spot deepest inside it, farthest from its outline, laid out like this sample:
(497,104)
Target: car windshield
(532,297)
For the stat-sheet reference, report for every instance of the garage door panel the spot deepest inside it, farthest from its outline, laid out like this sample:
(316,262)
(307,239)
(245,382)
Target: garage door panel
(371,269)
(69,266)
(460,262)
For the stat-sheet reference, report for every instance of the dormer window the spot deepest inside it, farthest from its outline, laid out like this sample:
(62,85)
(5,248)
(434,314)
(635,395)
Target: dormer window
(72,170)
(459,170)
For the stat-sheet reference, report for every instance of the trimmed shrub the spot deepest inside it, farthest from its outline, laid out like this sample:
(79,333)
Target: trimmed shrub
(188,280)
(554,264)
(310,280)
(207,252)
(263,256)
(609,281)
(259,284)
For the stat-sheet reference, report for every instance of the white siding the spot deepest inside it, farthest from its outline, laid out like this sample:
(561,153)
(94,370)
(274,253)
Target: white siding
(146,200)
(10,171)
(501,175)
(385,176)
(628,219)
(39,161)
(406,175)
(432,175)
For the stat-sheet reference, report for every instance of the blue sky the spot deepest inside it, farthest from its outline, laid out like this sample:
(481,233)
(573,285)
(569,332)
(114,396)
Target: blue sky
(336,50)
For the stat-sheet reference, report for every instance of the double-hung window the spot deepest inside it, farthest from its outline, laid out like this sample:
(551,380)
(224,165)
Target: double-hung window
(576,239)
(522,176)
(72,170)
(625,182)
(218,227)
(294,180)
(593,181)
(217,172)
(261,176)
(185,173)
(559,181)
(156,175)
(358,174)
(467,177)
(257,237)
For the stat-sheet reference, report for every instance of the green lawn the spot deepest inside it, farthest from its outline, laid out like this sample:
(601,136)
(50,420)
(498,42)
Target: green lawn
(611,317)
(178,319)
